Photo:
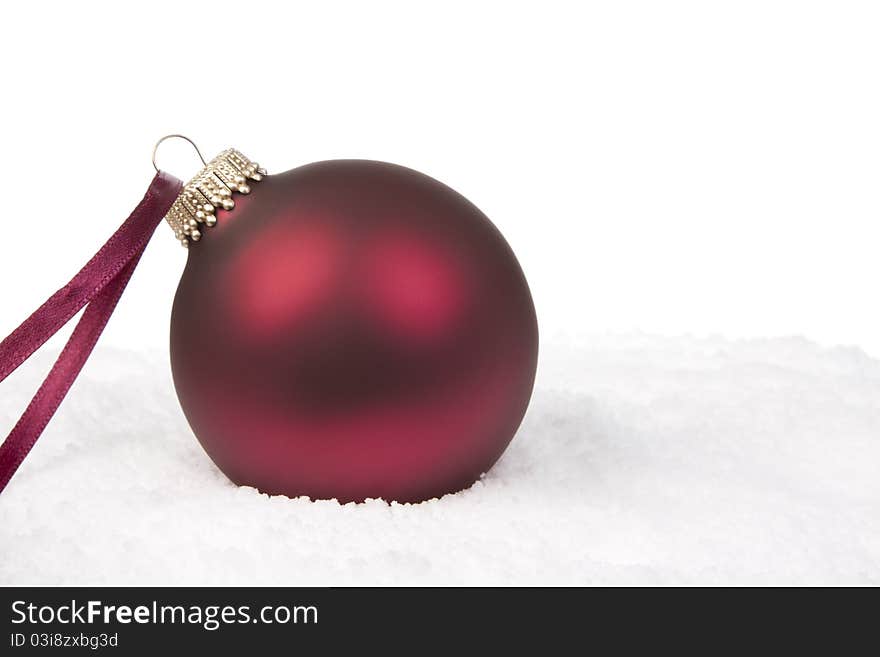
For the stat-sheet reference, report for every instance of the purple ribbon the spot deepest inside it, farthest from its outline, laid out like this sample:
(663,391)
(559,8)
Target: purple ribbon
(98,286)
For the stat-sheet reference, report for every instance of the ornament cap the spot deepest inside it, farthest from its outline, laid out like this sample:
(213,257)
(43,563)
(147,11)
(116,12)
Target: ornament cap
(211,189)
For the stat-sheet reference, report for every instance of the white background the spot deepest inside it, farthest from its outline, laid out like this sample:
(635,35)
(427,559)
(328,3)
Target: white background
(672,168)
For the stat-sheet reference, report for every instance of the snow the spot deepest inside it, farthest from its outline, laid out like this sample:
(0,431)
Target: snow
(642,460)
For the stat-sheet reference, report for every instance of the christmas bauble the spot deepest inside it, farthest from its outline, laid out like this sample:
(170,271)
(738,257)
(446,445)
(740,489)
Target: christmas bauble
(352,329)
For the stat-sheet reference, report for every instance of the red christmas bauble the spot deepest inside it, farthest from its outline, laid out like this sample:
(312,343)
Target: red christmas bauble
(352,330)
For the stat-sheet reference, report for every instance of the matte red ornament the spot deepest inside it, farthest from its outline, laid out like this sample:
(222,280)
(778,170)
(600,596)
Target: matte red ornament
(351,330)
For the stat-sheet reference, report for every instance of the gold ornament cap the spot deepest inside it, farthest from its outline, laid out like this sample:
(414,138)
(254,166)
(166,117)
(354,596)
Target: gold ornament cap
(211,189)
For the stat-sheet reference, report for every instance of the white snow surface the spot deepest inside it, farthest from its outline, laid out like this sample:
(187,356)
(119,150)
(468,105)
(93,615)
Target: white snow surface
(642,460)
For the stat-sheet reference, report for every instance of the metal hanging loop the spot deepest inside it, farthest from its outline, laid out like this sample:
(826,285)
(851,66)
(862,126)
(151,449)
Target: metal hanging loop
(192,143)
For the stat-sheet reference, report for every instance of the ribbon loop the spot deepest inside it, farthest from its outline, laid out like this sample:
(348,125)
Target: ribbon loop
(98,286)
